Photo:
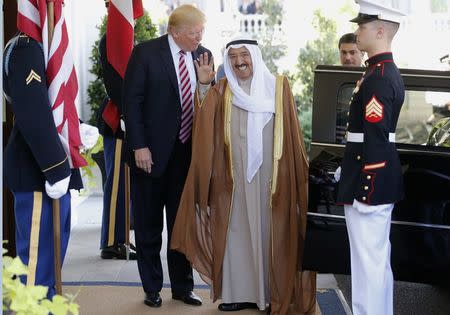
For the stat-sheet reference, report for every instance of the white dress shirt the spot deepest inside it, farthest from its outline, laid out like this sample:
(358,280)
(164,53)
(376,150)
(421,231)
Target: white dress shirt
(175,51)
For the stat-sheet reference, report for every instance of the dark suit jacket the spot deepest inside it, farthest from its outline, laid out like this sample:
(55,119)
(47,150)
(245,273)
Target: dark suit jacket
(151,102)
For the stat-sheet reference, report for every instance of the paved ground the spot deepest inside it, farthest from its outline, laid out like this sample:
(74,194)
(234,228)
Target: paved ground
(83,262)
(84,265)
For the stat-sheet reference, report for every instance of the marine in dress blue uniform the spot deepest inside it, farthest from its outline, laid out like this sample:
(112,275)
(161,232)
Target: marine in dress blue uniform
(371,170)
(113,220)
(371,179)
(33,156)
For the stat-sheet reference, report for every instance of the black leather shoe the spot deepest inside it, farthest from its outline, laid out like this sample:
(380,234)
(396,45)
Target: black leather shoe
(233,307)
(188,298)
(118,252)
(153,299)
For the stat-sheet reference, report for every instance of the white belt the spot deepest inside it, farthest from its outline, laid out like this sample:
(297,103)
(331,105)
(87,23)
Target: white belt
(359,137)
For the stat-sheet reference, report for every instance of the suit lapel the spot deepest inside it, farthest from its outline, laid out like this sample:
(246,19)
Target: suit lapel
(166,56)
(194,57)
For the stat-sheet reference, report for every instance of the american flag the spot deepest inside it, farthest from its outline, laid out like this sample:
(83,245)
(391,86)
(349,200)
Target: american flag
(120,32)
(60,71)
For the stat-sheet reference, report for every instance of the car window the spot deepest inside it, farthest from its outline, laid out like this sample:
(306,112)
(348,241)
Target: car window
(422,112)
(424,118)
(343,103)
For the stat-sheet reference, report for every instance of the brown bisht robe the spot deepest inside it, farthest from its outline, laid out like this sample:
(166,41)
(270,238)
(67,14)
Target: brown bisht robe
(201,226)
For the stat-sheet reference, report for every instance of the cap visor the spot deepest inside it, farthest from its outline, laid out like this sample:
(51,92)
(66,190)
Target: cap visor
(362,19)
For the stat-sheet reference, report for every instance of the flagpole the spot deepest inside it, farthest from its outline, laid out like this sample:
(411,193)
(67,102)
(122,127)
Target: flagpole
(57,244)
(127,210)
(56,202)
(50,21)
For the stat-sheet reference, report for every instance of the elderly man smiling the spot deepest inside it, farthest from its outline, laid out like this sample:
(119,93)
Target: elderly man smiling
(242,215)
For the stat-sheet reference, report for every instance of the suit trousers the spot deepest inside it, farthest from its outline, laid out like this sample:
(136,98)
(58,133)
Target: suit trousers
(34,236)
(370,255)
(150,195)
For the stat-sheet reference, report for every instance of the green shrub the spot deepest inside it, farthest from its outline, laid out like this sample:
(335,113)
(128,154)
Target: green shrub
(23,299)
(143,30)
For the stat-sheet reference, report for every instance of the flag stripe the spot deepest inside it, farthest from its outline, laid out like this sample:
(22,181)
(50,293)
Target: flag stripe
(33,29)
(125,8)
(60,71)
(30,11)
(119,38)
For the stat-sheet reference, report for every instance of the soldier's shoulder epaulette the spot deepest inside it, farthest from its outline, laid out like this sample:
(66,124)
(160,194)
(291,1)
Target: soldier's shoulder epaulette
(23,39)
(379,71)
(26,42)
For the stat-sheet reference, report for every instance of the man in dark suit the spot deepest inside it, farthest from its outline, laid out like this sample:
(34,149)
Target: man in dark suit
(159,87)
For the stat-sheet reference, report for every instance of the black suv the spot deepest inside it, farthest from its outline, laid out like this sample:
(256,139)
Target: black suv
(420,231)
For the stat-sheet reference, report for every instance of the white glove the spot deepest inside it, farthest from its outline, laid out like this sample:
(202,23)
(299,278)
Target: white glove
(122,125)
(89,135)
(337,174)
(58,189)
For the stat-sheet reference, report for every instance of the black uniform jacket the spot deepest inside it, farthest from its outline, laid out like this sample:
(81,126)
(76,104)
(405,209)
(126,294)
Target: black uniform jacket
(113,84)
(151,102)
(371,170)
(34,152)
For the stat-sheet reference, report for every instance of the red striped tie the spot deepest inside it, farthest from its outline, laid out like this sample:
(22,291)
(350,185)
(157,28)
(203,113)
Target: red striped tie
(186,100)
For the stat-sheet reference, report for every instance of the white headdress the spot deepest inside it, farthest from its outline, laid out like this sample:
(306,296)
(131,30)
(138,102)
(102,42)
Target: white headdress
(260,104)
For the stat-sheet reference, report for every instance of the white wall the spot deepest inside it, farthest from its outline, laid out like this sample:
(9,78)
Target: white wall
(82,16)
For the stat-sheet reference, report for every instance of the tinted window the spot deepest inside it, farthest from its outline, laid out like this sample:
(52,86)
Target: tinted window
(424,118)
(345,93)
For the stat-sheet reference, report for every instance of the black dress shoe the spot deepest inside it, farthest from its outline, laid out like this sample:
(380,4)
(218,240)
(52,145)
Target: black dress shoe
(189,298)
(153,299)
(118,251)
(233,307)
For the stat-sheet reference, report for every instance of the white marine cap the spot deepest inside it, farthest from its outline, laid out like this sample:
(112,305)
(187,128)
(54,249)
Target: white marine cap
(370,11)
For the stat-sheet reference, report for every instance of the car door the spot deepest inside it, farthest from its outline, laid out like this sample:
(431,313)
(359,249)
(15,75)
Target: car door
(420,230)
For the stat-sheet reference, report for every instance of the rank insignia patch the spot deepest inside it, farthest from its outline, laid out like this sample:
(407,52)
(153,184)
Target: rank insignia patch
(33,76)
(374,110)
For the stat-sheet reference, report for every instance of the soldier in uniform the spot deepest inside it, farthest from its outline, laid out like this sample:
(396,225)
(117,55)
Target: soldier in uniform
(41,164)
(113,220)
(36,167)
(371,180)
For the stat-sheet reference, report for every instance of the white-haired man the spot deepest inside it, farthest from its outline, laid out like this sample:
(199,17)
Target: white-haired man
(242,215)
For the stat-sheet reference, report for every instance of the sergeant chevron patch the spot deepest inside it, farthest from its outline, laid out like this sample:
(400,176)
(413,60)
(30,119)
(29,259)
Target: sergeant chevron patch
(33,76)
(374,110)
